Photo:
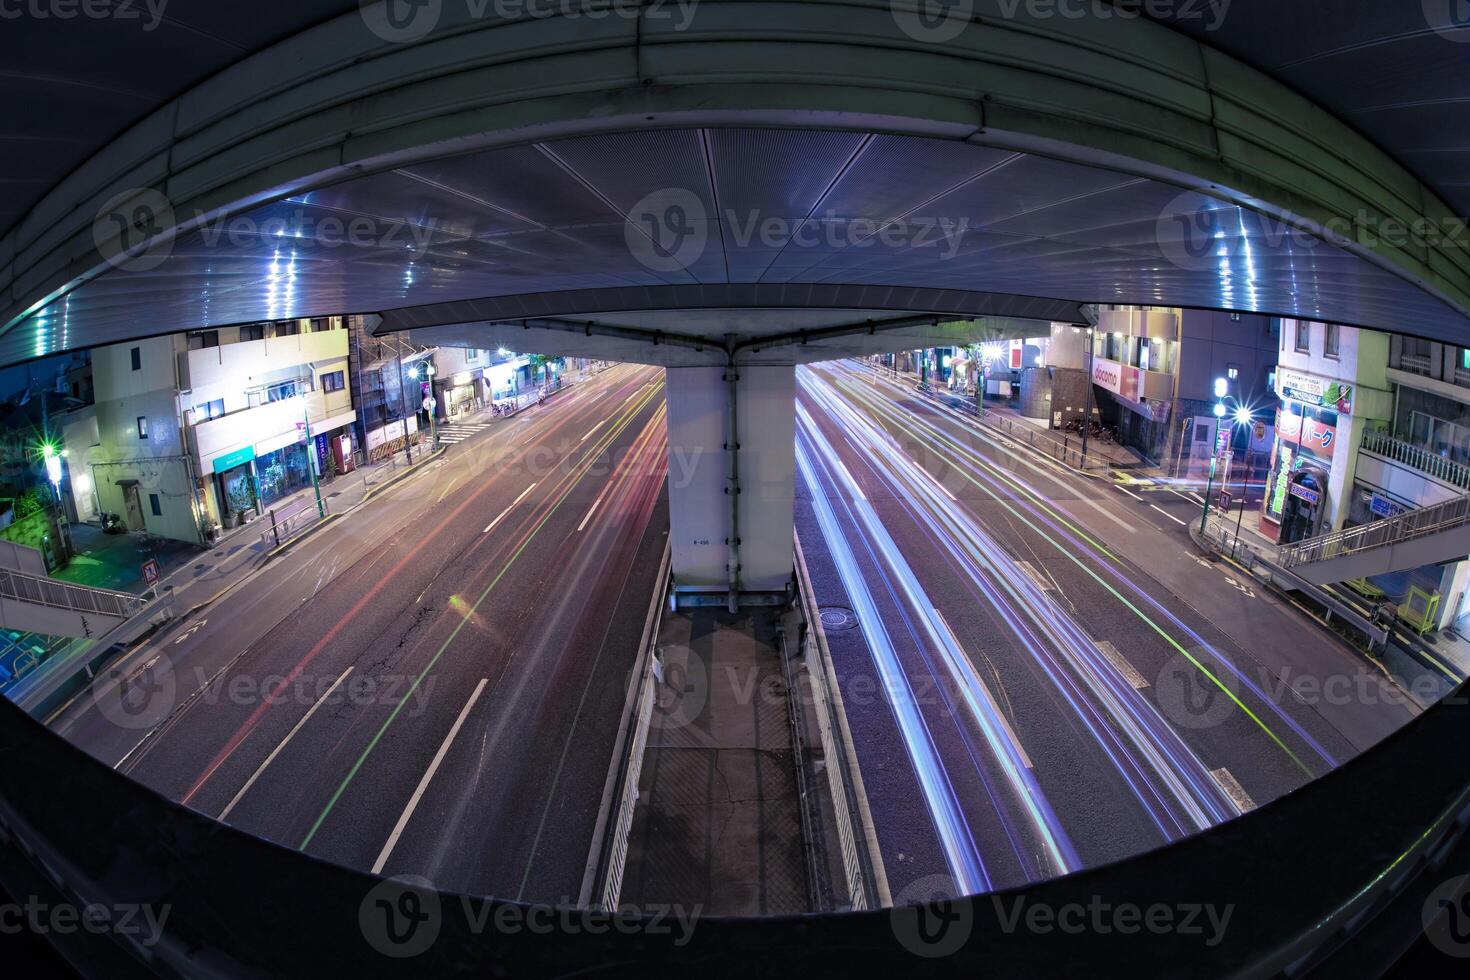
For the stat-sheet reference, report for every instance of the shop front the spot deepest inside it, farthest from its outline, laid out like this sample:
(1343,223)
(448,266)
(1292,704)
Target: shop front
(282,472)
(1296,503)
(234,485)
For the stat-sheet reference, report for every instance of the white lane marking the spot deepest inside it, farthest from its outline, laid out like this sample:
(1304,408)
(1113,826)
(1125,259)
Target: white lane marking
(277,751)
(491,526)
(1116,658)
(593,429)
(1233,789)
(418,793)
(593,510)
(1128,492)
(1169,515)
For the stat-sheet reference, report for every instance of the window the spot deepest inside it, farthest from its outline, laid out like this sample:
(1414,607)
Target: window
(1303,337)
(137,355)
(1232,371)
(155,505)
(1465,358)
(211,410)
(142,427)
(1330,340)
(472,356)
(252,331)
(287,328)
(1235,317)
(200,339)
(334,381)
(281,392)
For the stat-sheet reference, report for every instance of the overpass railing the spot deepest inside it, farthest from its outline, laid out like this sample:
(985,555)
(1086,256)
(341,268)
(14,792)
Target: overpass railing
(1393,530)
(41,591)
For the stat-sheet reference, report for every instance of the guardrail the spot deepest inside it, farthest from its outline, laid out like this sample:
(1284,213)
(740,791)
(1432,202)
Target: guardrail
(1417,457)
(866,885)
(610,849)
(41,591)
(1393,530)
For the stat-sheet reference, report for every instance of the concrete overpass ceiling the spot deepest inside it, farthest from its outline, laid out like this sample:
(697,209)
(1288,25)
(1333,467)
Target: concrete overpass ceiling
(725,206)
(72,83)
(1399,72)
(674,338)
(992,162)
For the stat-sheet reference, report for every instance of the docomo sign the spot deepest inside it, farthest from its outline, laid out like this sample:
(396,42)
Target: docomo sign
(1120,379)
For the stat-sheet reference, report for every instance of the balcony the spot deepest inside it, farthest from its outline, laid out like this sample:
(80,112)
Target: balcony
(239,364)
(1430,464)
(260,425)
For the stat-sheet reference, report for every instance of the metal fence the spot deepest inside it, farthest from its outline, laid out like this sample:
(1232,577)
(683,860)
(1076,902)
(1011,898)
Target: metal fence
(1421,459)
(41,591)
(1404,527)
(838,766)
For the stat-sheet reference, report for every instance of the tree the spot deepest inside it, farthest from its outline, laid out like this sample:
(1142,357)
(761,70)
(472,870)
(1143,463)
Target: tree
(542,363)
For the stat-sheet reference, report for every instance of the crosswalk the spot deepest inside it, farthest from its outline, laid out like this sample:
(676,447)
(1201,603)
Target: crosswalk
(454,432)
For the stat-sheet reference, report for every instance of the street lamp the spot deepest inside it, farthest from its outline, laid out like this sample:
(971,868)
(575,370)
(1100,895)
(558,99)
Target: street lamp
(428,371)
(1221,387)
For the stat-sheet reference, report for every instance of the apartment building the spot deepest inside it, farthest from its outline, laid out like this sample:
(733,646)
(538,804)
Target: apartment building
(208,428)
(1154,372)
(1333,390)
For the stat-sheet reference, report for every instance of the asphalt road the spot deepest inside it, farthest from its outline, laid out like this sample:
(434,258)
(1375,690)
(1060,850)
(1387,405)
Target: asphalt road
(1040,671)
(432,684)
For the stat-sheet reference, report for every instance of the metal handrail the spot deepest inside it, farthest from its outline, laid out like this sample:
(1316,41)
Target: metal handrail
(42,591)
(1404,527)
(1421,459)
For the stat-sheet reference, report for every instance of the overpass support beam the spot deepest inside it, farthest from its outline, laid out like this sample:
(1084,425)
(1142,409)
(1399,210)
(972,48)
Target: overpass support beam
(732,462)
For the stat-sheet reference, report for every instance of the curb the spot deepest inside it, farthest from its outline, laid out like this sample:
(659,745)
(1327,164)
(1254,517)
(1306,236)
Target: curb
(281,548)
(392,480)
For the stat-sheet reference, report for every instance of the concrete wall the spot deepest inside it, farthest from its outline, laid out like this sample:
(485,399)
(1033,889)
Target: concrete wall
(1211,342)
(699,506)
(155,460)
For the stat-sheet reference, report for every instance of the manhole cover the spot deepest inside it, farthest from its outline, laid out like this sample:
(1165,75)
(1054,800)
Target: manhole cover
(837,618)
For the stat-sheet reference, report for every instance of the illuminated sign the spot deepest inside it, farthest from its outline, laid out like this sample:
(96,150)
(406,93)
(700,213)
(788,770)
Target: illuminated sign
(1310,496)
(1280,475)
(1108,374)
(1310,434)
(1312,390)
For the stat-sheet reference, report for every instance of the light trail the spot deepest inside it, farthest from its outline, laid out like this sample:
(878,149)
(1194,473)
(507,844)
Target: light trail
(1104,701)
(1051,525)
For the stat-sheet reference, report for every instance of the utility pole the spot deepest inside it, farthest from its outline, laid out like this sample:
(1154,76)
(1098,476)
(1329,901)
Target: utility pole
(321,507)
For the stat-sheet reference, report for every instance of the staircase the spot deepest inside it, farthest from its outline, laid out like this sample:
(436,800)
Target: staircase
(1426,536)
(32,602)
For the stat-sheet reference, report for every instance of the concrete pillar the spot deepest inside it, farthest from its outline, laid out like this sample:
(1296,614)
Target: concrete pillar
(701,525)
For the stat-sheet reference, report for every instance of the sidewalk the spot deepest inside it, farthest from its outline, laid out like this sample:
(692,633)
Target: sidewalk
(1415,671)
(1065,447)
(193,578)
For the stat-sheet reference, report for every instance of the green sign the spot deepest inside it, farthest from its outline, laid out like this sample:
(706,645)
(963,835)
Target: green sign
(231,460)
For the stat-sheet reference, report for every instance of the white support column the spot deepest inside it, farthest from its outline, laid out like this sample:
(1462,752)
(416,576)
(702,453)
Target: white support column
(700,515)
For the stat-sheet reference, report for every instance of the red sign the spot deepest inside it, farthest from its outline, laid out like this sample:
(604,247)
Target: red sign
(1315,437)
(151,571)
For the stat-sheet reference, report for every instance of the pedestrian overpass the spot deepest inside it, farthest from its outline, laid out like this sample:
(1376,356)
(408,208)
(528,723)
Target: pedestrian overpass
(727,190)
(728,193)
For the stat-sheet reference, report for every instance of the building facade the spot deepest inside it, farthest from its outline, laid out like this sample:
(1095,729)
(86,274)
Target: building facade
(207,429)
(1155,372)
(1333,390)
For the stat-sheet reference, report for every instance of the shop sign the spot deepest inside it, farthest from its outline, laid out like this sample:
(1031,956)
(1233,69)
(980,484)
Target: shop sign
(1384,507)
(231,460)
(1310,434)
(1306,493)
(1314,391)
(1107,374)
